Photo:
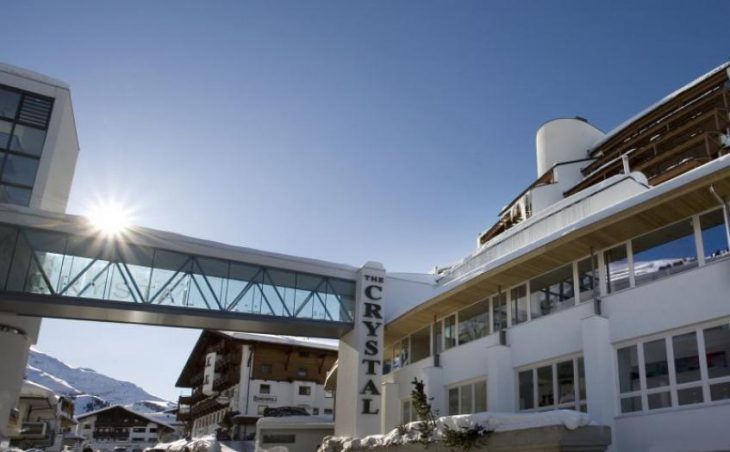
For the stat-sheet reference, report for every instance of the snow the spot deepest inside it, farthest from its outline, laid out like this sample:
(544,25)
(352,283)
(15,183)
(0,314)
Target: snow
(89,389)
(288,340)
(497,422)
(203,444)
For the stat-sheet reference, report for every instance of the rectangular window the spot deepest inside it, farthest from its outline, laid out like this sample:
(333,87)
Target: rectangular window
(305,390)
(138,429)
(9,101)
(403,353)
(421,344)
(279,438)
(664,252)
(536,386)
(480,397)
(405,412)
(526,390)
(686,385)
(587,278)
(655,364)
(518,295)
(468,398)
(453,401)
(474,322)
(552,292)
(545,395)
(264,389)
(450,332)
(328,411)
(717,351)
(714,235)
(617,268)
(499,310)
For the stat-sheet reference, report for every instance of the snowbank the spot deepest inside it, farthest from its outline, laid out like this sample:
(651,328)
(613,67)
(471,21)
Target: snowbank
(203,444)
(497,422)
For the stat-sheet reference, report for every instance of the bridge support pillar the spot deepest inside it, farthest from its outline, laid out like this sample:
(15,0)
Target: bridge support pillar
(360,359)
(17,334)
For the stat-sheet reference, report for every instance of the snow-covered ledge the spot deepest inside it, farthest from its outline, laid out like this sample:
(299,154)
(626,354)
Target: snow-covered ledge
(547,431)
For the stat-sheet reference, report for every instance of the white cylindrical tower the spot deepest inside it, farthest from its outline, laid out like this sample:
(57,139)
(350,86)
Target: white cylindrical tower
(564,140)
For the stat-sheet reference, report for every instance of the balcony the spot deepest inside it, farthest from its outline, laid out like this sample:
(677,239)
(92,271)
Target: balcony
(34,430)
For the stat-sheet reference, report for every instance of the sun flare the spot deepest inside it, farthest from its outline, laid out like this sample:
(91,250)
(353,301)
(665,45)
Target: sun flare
(111,218)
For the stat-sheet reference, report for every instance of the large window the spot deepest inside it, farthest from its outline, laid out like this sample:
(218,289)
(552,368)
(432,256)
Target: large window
(617,268)
(587,278)
(450,332)
(474,322)
(559,384)
(468,398)
(664,252)
(499,312)
(520,306)
(421,344)
(552,291)
(649,380)
(24,119)
(714,235)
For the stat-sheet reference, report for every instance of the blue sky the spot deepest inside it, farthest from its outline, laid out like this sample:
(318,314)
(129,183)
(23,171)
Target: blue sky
(346,131)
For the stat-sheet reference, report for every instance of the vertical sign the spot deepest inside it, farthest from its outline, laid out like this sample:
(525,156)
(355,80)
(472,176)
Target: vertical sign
(371,319)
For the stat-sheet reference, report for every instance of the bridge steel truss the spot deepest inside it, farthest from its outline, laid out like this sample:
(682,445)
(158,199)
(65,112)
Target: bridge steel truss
(66,269)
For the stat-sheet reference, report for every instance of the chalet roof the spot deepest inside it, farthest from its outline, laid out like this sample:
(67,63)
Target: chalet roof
(135,413)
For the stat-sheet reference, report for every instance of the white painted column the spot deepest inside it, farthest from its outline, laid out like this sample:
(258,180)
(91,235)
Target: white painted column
(17,334)
(500,380)
(360,359)
(390,405)
(600,371)
(433,383)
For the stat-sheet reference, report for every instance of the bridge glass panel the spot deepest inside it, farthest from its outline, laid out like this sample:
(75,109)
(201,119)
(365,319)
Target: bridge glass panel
(102,268)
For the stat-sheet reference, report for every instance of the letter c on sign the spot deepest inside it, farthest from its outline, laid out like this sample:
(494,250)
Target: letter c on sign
(369,292)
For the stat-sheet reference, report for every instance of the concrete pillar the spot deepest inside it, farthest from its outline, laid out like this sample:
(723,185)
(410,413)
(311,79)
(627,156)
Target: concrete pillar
(17,334)
(433,381)
(600,371)
(360,359)
(500,380)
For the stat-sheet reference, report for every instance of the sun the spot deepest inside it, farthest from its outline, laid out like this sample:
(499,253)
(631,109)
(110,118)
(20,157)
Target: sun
(110,218)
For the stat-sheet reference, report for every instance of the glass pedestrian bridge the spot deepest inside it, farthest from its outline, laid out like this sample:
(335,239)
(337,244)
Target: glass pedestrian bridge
(54,265)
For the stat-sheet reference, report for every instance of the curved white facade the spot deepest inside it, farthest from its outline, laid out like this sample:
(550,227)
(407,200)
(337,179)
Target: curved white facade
(564,140)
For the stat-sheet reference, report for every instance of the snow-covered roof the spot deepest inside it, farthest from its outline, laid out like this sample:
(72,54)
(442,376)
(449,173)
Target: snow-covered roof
(287,340)
(137,413)
(35,76)
(656,105)
(32,389)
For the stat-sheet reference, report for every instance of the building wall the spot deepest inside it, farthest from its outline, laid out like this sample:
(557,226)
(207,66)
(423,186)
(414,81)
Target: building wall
(693,300)
(136,440)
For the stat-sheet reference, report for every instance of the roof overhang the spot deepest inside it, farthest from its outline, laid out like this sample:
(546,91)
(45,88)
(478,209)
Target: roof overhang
(679,198)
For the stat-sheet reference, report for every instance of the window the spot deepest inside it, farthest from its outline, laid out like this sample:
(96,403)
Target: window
(468,398)
(438,337)
(449,332)
(556,385)
(328,394)
(552,292)
(474,322)
(617,268)
(499,309)
(679,382)
(714,235)
(9,101)
(328,411)
(280,438)
(153,430)
(518,295)
(587,278)
(421,344)
(405,411)
(87,426)
(305,390)
(138,429)
(264,389)
(403,352)
(315,411)
(664,252)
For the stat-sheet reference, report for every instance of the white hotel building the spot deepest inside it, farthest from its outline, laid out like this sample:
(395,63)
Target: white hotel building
(603,287)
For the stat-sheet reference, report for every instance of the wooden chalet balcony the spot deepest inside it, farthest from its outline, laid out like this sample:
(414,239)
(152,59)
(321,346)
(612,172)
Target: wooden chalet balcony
(206,407)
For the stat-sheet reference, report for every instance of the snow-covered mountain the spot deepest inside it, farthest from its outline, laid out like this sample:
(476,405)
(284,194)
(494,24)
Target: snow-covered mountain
(90,389)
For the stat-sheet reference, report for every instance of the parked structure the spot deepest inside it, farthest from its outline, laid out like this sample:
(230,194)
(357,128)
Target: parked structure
(119,429)
(236,377)
(43,420)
